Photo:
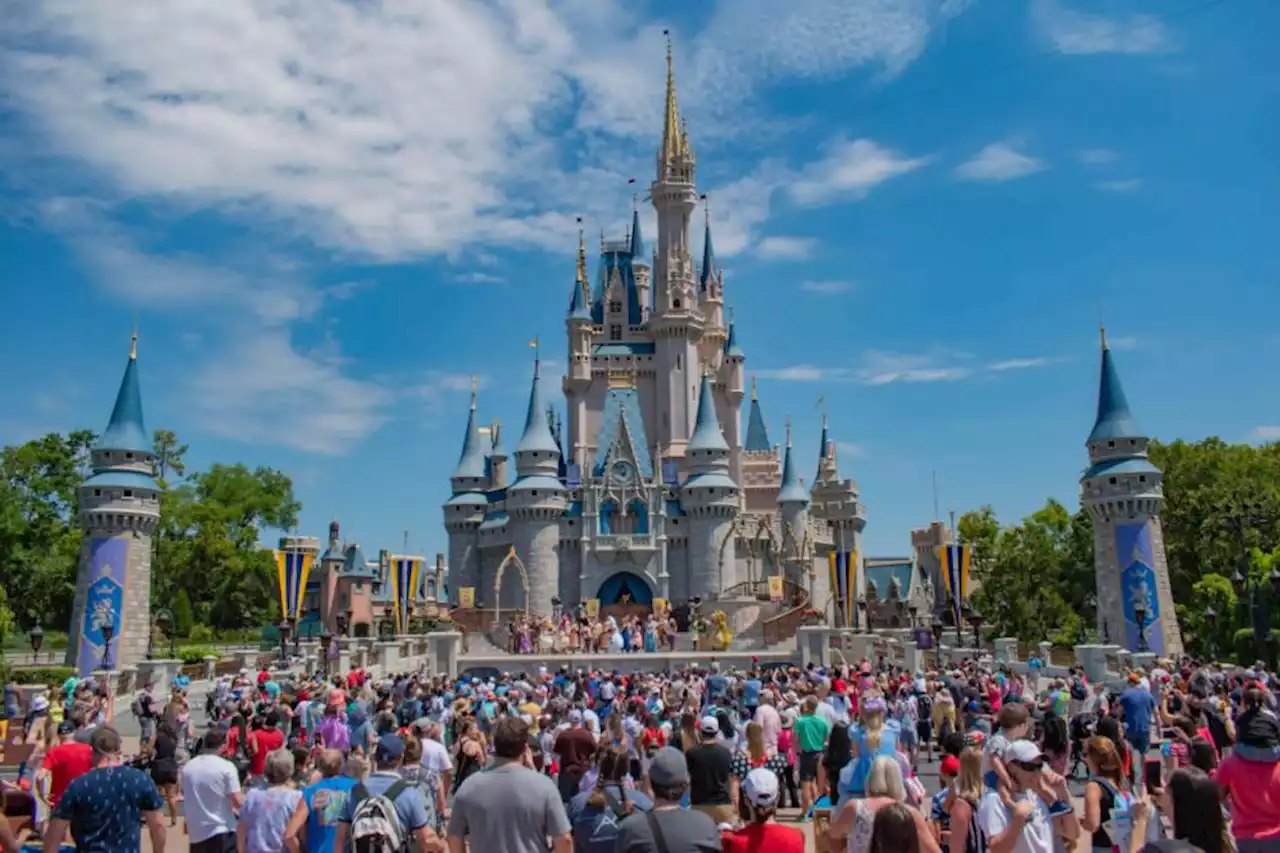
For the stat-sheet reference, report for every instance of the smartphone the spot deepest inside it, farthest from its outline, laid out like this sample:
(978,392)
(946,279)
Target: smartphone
(1153,775)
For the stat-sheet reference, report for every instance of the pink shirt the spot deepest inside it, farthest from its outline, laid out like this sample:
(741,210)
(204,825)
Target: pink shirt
(769,719)
(1254,790)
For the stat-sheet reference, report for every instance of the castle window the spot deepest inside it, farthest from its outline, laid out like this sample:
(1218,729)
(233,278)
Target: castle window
(678,367)
(535,493)
(615,332)
(1111,444)
(97,493)
(128,455)
(675,304)
(615,307)
(1113,481)
(1142,478)
(128,493)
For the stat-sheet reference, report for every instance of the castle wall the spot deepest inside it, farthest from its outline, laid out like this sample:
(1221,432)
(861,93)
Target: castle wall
(537,544)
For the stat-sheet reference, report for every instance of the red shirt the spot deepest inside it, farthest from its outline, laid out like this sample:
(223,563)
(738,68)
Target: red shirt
(1253,789)
(757,837)
(266,740)
(65,763)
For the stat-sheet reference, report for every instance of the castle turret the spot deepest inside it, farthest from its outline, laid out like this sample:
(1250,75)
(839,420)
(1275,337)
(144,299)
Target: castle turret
(733,373)
(711,298)
(497,457)
(119,511)
(535,502)
(580,329)
(465,510)
(836,503)
(793,511)
(1124,493)
(641,266)
(709,497)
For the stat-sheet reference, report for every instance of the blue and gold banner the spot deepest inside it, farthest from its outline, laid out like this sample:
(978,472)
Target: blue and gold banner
(1138,587)
(292,569)
(844,582)
(404,586)
(955,573)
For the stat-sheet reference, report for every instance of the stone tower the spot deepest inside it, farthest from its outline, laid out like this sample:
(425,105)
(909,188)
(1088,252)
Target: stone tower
(709,498)
(1124,493)
(836,503)
(119,511)
(465,510)
(535,502)
(793,511)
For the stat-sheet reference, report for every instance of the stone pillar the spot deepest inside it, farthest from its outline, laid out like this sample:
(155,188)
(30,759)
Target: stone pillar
(388,656)
(344,658)
(210,667)
(1006,649)
(1093,658)
(159,674)
(448,645)
(128,680)
(246,659)
(1145,660)
(1045,648)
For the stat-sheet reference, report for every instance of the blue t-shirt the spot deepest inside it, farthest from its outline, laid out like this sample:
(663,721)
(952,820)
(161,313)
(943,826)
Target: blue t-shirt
(1138,706)
(410,806)
(751,692)
(104,808)
(326,800)
(595,829)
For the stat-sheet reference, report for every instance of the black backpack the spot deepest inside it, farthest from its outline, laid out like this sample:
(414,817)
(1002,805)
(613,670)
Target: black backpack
(1078,691)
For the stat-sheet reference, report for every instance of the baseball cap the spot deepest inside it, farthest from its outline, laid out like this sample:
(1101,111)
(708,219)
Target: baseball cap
(66,727)
(1024,751)
(950,766)
(668,768)
(761,787)
(575,717)
(709,725)
(390,747)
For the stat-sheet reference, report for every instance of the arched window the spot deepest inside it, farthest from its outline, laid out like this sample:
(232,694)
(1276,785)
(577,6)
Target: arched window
(607,513)
(640,515)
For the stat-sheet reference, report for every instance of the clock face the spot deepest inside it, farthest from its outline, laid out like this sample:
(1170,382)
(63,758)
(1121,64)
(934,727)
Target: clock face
(622,471)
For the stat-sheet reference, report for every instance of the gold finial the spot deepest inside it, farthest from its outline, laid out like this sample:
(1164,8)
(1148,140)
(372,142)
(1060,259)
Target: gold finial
(1102,330)
(755,395)
(133,341)
(671,122)
(582,257)
(475,390)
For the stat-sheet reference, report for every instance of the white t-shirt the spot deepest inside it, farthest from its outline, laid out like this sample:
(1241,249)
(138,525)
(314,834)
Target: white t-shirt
(435,758)
(1037,832)
(208,781)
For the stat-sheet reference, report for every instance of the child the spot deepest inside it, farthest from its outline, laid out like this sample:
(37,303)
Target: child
(939,812)
(1012,724)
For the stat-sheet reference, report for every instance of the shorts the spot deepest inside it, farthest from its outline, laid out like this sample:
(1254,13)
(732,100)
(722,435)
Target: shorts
(1140,741)
(224,842)
(719,814)
(924,731)
(809,766)
(907,734)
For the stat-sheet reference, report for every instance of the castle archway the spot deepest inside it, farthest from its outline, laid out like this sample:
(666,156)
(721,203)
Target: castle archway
(512,559)
(625,594)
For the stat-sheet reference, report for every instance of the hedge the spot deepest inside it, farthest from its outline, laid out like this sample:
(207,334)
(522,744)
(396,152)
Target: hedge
(196,654)
(40,674)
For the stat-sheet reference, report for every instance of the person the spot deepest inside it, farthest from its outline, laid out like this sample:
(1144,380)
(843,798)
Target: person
(895,830)
(62,765)
(681,830)
(261,743)
(320,806)
(1250,778)
(1108,804)
(713,789)
(872,737)
(1193,803)
(267,810)
(385,781)
(106,808)
(594,814)
(811,732)
(164,767)
(529,804)
(575,747)
(211,797)
(962,815)
(1137,708)
(760,790)
(1029,825)
(851,827)
(943,798)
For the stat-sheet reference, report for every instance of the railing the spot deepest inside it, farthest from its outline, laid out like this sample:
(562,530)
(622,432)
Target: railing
(759,589)
(784,625)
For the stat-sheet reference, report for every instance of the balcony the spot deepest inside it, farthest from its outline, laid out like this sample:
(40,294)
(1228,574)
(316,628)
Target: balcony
(625,542)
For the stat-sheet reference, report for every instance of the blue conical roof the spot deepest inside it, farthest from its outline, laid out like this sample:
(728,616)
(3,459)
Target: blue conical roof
(708,259)
(471,460)
(578,309)
(824,445)
(1114,419)
(731,343)
(790,492)
(637,241)
(126,430)
(537,430)
(757,433)
(706,431)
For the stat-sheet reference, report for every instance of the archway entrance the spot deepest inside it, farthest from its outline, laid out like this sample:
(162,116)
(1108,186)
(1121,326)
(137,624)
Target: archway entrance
(625,594)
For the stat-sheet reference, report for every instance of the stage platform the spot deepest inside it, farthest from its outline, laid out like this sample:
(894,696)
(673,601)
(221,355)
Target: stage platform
(625,663)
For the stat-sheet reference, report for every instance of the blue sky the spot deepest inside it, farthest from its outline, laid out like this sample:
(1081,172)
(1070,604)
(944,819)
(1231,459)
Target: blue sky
(328,215)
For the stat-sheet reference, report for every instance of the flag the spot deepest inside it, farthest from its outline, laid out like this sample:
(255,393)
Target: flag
(404,585)
(817,404)
(631,180)
(534,343)
(843,566)
(955,573)
(292,569)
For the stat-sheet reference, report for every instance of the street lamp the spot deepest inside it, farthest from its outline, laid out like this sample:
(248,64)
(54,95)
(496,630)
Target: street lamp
(284,627)
(325,641)
(1140,616)
(36,636)
(975,619)
(1211,624)
(108,631)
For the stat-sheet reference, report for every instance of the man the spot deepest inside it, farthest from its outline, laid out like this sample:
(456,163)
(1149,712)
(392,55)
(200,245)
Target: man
(681,830)
(211,797)
(770,721)
(510,807)
(63,764)
(713,789)
(575,746)
(436,762)
(1137,707)
(321,804)
(144,708)
(811,732)
(411,808)
(1038,811)
(262,742)
(106,807)
(762,832)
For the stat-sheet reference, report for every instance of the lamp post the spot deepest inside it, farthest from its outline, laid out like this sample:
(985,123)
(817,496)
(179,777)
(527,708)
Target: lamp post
(164,621)
(108,631)
(1211,624)
(297,636)
(325,641)
(975,619)
(284,641)
(36,636)
(937,627)
(1140,616)
(1259,615)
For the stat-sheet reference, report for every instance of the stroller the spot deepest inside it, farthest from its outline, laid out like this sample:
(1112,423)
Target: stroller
(1080,729)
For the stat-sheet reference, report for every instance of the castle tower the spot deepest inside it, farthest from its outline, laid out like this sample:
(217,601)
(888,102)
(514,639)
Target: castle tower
(465,510)
(733,376)
(793,511)
(709,498)
(1124,493)
(119,511)
(676,323)
(580,330)
(836,503)
(640,266)
(711,298)
(535,502)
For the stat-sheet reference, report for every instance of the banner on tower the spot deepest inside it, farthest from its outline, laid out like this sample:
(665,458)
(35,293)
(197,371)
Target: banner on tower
(1138,587)
(103,603)
(593,608)
(292,570)
(467,597)
(843,566)
(955,573)
(404,586)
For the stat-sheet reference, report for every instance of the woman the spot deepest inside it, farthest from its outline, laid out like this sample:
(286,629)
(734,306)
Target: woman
(266,811)
(650,635)
(164,766)
(1192,802)
(963,808)
(755,755)
(470,756)
(835,759)
(872,737)
(411,770)
(1250,777)
(854,824)
(594,814)
(688,731)
(1106,795)
(1055,743)
(895,830)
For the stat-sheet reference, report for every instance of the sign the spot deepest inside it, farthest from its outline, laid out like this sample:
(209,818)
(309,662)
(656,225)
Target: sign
(924,639)
(467,597)
(593,608)
(775,588)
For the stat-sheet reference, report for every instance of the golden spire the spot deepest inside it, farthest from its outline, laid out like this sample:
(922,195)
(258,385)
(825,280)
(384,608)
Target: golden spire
(671,122)
(1102,330)
(133,341)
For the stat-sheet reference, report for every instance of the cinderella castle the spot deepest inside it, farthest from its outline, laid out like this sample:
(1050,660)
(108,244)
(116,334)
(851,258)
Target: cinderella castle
(647,488)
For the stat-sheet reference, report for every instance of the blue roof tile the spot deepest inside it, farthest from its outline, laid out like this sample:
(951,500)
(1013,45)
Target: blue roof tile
(731,347)
(637,241)
(757,432)
(706,431)
(467,499)
(493,521)
(1114,420)
(471,462)
(790,492)
(622,408)
(674,510)
(1115,467)
(126,430)
(710,480)
(537,430)
(122,479)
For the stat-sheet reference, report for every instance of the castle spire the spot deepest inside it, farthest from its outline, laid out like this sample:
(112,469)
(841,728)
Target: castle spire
(537,435)
(578,305)
(471,459)
(637,241)
(1114,419)
(708,252)
(757,434)
(126,430)
(790,491)
(671,119)
(706,430)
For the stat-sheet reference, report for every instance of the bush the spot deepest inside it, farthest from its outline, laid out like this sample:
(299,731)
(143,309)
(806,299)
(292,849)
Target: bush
(202,634)
(195,654)
(40,674)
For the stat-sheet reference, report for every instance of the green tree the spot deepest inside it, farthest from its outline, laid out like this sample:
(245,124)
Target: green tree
(183,617)
(169,454)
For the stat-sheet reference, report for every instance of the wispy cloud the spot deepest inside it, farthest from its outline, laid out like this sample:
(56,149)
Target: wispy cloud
(827,288)
(850,170)
(1266,433)
(1124,343)
(883,367)
(1127,185)
(786,248)
(1019,364)
(478,278)
(1074,32)
(1096,156)
(999,161)
(850,450)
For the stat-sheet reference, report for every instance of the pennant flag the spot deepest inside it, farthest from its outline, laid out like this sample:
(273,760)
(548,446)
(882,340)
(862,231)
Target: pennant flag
(533,342)
(955,573)
(292,569)
(843,566)
(404,583)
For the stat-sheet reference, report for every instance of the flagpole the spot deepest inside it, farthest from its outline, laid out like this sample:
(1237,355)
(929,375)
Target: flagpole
(955,579)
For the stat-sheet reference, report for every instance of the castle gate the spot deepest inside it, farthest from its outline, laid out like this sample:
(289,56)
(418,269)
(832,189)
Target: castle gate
(625,594)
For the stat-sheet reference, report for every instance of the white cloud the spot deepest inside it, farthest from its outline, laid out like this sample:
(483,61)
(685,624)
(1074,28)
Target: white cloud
(999,161)
(1018,364)
(478,278)
(849,449)
(1075,32)
(1097,156)
(801,373)
(825,287)
(786,248)
(882,367)
(1266,433)
(1127,185)
(850,169)
(1124,343)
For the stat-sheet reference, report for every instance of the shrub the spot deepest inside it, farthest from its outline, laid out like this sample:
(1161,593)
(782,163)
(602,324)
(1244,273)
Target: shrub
(40,674)
(195,654)
(202,634)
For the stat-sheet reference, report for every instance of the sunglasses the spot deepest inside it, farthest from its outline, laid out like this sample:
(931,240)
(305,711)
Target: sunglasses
(1029,766)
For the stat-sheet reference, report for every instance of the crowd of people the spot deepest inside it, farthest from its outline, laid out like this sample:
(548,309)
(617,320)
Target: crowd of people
(1184,757)
(584,634)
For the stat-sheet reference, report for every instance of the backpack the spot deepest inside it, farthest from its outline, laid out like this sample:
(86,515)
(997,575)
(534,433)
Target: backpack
(925,706)
(1078,691)
(375,823)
